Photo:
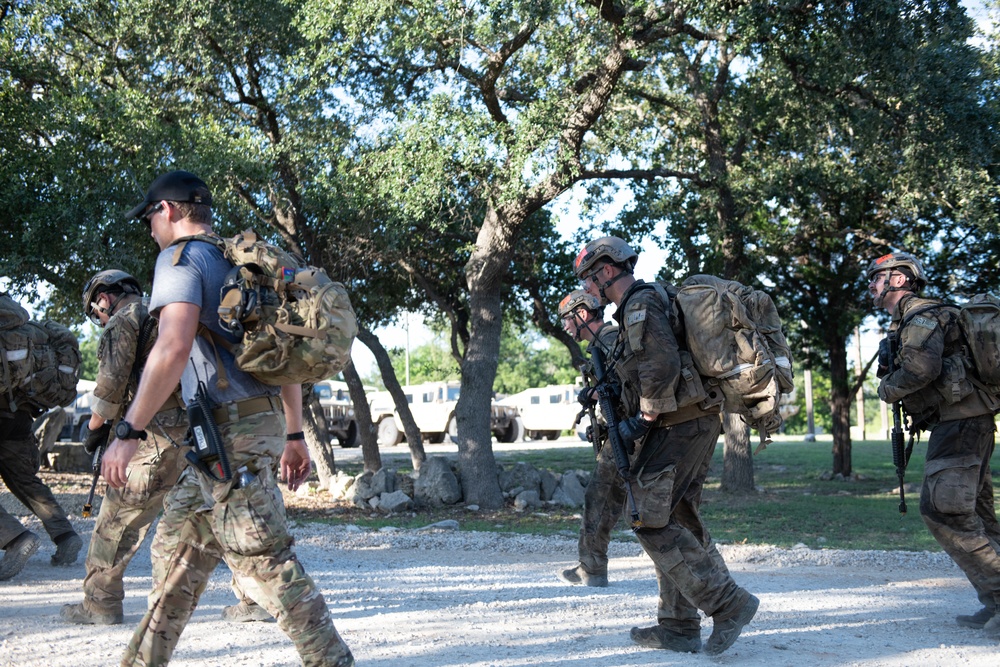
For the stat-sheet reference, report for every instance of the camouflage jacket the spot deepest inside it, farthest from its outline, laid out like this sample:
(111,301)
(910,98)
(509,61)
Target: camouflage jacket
(929,371)
(604,339)
(648,360)
(116,352)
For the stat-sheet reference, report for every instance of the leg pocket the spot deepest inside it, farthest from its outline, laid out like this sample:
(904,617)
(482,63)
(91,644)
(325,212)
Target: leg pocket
(654,497)
(952,485)
(251,520)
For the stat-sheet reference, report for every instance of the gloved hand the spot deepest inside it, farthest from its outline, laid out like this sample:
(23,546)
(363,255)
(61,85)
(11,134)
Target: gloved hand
(586,397)
(884,358)
(94,440)
(633,428)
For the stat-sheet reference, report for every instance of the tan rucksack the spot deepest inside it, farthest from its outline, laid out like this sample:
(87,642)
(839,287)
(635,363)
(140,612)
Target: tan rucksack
(297,325)
(39,361)
(733,333)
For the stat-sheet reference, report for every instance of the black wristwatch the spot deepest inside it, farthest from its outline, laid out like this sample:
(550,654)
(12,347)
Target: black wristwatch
(124,431)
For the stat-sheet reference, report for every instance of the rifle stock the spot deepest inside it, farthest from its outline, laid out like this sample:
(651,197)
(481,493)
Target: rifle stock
(605,397)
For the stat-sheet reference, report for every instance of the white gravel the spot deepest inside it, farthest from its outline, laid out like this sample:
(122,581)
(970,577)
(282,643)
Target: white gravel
(445,598)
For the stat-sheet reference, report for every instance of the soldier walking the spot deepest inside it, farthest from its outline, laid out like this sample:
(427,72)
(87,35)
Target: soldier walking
(671,444)
(240,520)
(583,318)
(112,299)
(930,376)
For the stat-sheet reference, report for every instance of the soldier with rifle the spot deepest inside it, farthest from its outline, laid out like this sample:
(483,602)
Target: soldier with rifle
(112,299)
(925,371)
(668,439)
(583,319)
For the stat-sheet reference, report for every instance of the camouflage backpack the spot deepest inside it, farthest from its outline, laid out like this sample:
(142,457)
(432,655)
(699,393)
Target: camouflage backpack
(979,320)
(297,324)
(39,361)
(733,333)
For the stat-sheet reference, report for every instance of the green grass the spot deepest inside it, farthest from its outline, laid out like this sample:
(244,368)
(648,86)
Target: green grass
(794,505)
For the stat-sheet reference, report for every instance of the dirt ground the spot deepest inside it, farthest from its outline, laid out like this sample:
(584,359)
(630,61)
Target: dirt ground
(441,598)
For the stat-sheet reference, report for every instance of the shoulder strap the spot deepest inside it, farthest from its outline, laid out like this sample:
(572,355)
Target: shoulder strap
(182,242)
(909,316)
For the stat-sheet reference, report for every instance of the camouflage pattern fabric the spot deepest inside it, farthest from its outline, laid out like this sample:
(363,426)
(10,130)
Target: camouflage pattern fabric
(930,374)
(19,470)
(957,499)
(605,495)
(116,351)
(602,506)
(669,467)
(209,522)
(126,513)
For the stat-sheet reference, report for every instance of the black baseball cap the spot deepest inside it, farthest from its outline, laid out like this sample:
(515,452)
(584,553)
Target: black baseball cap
(174,186)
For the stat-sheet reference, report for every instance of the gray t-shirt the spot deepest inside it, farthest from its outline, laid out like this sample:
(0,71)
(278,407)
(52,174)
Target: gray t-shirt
(197,278)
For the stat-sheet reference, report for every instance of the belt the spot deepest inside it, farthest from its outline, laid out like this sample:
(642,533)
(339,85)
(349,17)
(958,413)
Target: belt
(249,406)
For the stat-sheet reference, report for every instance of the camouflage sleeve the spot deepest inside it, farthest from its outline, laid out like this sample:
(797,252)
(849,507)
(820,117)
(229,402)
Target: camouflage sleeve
(918,360)
(656,352)
(115,356)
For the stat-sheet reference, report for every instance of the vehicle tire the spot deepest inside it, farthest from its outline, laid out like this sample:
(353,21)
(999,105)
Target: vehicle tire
(435,438)
(453,428)
(552,435)
(511,433)
(388,434)
(81,430)
(351,439)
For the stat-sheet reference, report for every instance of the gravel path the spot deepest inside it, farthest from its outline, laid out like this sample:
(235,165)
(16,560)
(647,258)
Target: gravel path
(445,598)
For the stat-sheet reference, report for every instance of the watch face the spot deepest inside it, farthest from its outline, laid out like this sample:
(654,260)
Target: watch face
(122,429)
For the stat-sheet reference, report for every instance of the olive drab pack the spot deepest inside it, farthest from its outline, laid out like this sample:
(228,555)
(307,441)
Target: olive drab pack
(39,361)
(297,325)
(733,333)
(980,322)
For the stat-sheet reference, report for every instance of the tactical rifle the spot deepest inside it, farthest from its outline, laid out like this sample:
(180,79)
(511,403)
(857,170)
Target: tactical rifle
(101,437)
(899,458)
(605,394)
(594,430)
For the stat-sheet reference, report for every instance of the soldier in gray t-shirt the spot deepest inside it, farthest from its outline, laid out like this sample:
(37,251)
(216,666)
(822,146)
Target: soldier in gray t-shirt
(245,523)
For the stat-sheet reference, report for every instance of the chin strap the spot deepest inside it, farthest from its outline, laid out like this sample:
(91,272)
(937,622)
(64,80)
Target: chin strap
(611,282)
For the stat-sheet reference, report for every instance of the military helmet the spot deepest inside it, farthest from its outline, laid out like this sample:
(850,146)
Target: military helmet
(610,247)
(578,299)
(105,280)
(898,260)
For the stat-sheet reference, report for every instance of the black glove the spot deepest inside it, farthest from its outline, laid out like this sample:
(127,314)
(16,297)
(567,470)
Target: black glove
(633,428)
(884,358)
(94,440)
(586,397)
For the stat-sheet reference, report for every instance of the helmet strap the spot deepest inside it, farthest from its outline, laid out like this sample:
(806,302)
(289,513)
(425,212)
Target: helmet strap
(611,282)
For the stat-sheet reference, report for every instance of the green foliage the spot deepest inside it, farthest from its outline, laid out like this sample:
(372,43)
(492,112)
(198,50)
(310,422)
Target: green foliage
(88,354)
(798,423)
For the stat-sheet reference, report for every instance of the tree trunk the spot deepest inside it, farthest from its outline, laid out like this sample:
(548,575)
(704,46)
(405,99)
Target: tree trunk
(317,437)
(484,272)
(413,439)
(840,408)
(363,415)
(737,456)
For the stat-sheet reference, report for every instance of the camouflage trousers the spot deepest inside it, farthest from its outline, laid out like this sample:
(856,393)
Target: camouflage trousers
(957,503)
(602,506)
(126,513)
(205,522)
(19,459)
(669,470)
